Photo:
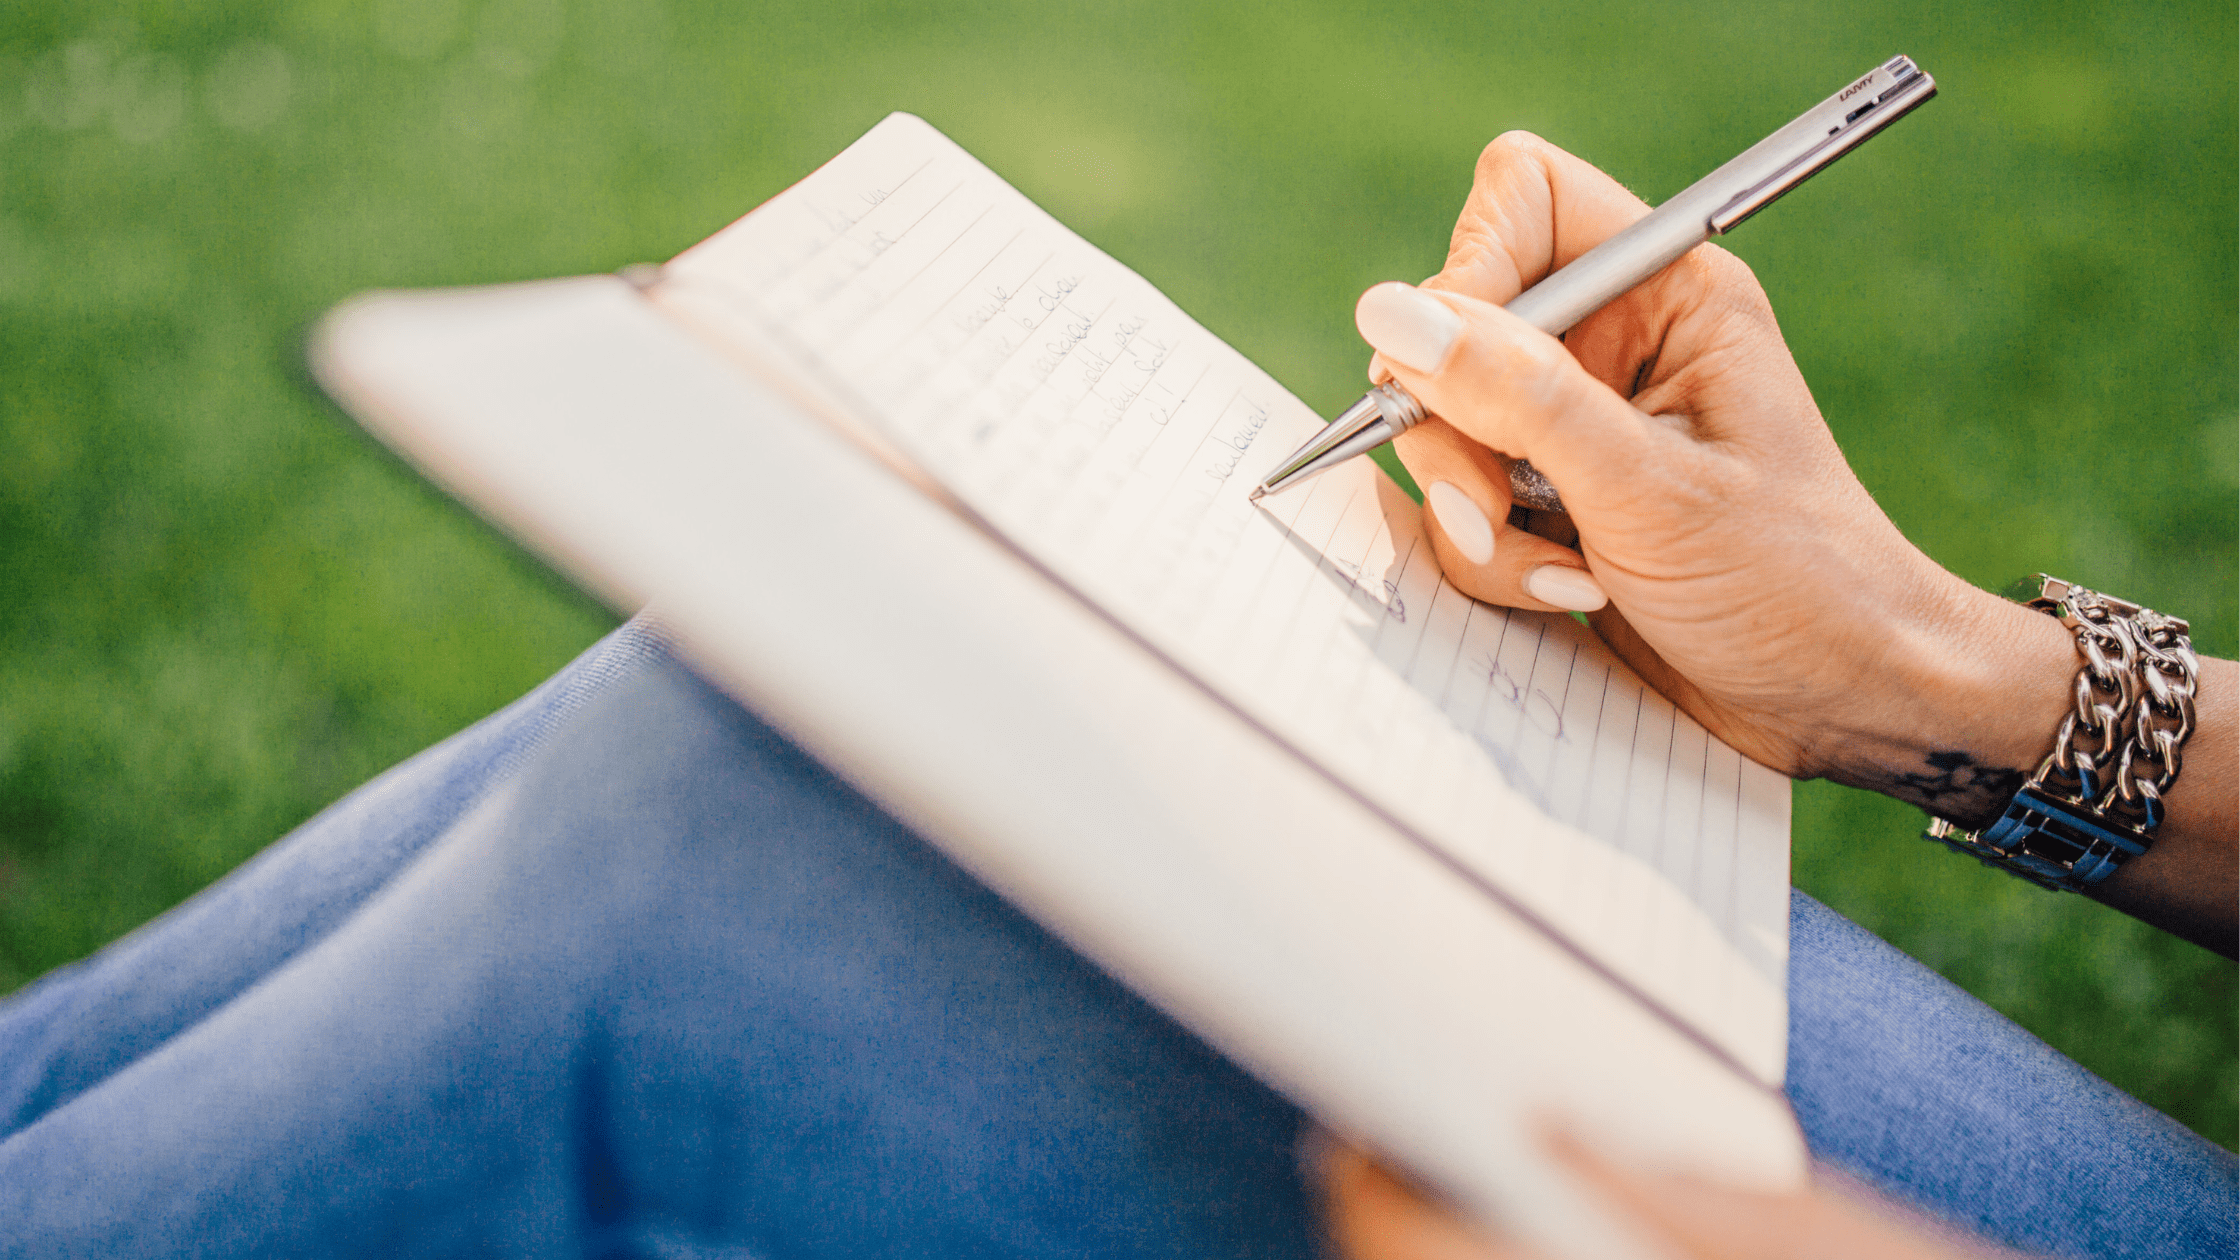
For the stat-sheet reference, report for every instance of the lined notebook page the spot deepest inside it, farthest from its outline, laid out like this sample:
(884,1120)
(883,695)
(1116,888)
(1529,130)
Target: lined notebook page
(1066,402)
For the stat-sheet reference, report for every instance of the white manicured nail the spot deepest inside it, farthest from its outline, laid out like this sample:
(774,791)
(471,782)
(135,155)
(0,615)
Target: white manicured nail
(1466,527)
(1565,587)
(1407,325)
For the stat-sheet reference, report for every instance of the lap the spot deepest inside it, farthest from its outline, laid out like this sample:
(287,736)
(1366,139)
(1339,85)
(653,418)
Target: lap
(622,970)
(667,988)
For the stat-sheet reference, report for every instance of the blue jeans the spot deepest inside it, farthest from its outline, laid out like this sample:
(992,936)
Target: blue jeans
(620,972)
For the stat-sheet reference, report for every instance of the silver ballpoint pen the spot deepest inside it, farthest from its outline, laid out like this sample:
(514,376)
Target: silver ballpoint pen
(1709,207)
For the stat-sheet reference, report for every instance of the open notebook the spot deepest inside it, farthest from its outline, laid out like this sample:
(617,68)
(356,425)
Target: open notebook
(959,501)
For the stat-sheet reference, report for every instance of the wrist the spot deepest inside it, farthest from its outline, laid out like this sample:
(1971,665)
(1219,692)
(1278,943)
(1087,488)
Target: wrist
(1971,692)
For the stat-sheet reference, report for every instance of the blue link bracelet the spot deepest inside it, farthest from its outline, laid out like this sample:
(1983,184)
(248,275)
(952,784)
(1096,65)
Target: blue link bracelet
(2095,801)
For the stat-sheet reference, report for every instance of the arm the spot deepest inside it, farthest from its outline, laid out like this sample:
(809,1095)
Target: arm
(1720,543)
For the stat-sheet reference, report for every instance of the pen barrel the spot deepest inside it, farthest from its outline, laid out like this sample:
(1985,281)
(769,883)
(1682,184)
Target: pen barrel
(1741,187)
(1614,266)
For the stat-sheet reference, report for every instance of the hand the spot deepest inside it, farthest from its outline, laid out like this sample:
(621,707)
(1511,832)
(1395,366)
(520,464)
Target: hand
(1718,540)
(1750,576)
(1371,1215)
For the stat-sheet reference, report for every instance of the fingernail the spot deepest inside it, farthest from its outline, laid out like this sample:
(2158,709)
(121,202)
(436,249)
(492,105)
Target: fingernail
(1465,526)
(1407,325)
(1565,587)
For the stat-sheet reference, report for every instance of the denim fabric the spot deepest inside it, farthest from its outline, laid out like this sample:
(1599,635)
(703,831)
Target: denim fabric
(1918,1089)
(82,1023)
(619,972)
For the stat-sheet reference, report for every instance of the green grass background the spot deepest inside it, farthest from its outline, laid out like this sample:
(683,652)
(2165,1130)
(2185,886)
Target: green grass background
(220,608)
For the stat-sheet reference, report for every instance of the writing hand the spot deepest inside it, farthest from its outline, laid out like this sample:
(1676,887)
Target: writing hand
(1721,544)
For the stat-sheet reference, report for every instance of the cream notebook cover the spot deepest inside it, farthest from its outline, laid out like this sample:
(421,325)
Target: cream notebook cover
(959,501)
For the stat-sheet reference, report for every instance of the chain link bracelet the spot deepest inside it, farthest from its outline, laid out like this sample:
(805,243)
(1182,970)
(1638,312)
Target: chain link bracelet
(2095,801)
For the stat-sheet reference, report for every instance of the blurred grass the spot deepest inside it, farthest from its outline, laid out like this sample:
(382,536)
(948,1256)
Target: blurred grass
(222,609)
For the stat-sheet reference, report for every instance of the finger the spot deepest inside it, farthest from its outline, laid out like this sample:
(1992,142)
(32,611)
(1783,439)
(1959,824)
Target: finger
(1372,1215)
(1532,208)
(1467,518)
(1503,383)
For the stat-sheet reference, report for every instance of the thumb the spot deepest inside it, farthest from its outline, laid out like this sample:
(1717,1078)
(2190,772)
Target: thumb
(1514,388)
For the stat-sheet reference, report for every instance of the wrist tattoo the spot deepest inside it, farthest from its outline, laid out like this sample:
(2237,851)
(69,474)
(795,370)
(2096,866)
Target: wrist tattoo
(1957,786)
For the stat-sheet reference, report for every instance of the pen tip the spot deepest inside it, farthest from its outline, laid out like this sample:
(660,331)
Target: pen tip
(1257,493)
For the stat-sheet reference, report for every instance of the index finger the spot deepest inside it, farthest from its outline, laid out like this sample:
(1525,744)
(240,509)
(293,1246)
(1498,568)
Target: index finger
(1532,209)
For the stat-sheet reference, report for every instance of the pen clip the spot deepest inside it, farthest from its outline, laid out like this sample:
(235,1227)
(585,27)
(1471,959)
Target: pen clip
(1909,88)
